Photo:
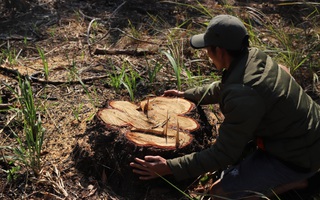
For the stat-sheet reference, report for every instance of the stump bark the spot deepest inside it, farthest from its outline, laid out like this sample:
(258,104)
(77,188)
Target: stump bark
(169,127)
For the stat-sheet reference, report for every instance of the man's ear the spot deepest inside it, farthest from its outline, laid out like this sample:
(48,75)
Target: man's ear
(220,52)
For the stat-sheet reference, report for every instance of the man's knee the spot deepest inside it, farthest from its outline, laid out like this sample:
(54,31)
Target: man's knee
(217,191)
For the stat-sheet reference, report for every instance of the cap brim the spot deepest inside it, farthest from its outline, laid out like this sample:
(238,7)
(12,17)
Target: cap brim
(197,41)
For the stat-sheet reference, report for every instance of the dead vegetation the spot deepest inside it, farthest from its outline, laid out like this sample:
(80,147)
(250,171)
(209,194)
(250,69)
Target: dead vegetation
(89,47)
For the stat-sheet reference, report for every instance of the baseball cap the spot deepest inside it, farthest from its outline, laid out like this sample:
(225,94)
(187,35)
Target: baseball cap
(224,31)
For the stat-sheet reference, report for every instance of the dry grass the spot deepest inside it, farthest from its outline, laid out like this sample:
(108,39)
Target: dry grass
(135,32)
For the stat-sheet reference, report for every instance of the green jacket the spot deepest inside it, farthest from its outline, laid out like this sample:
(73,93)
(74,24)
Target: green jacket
(258,100)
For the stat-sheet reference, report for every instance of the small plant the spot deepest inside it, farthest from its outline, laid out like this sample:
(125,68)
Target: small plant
(130,82)
(175,63)
(73,72)
(12,173)
(77,110)
(134,32)
(34,133)
(92,100)
(9,56)
(153,70)
(52,32)
(283,43)
(200,8)
(28,151)
(175,55)
(116,78)
(44,62)
(25,41)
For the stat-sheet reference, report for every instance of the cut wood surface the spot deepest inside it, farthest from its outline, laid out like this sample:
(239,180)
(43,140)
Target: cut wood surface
(158,122)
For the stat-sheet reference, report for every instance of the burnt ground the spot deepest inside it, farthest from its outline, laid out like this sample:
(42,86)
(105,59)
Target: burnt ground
(91,41)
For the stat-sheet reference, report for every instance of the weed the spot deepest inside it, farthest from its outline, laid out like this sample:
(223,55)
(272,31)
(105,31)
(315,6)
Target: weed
(73,72)
(116,78)
(130,82)
(134,32)
(52,32)
(9,55)
(152,71)
(175,58)
(77,110)
(92,100)
(12,173)
(25,41)
(28,151)
(44,62)
(176,67)
(285,49)
(199,7)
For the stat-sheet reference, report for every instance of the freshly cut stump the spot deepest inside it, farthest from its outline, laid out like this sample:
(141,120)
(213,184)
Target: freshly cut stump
(158,122)
(164,126)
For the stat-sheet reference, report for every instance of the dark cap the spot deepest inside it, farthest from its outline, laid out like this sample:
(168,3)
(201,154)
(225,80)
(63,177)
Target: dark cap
(224,31)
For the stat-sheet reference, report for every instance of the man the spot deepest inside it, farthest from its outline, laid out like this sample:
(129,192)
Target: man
(261,102)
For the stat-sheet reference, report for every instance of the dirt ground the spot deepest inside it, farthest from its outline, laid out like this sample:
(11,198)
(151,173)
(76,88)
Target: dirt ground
(87,42)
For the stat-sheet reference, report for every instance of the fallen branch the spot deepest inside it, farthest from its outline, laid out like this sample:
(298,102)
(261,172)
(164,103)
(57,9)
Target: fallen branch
(16,37)
(135,52)
(85,80)
(16,74)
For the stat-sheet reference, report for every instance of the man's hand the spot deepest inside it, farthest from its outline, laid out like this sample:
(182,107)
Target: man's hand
(151,167)
(175,93)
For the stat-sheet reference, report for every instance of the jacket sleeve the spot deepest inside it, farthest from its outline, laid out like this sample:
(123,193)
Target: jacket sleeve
(243,110)
(208,94)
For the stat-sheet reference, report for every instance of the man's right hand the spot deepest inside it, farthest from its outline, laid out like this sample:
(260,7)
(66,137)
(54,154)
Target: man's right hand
(175,93)
(150,167)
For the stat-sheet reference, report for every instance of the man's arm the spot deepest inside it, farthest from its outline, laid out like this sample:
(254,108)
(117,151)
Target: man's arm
(208,94)
(243,110)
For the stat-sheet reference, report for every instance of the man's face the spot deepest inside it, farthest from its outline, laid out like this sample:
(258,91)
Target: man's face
(214,57)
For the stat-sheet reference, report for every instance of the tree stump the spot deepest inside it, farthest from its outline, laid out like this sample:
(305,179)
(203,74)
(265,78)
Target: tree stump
(169,127)
(157,123)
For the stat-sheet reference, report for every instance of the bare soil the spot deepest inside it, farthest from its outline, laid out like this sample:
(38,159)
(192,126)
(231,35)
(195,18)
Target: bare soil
(87,42)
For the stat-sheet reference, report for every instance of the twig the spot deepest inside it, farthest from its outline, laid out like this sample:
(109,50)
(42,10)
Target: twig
(88,32)
(41,80)
(4,159)
(146,108)
(8,122)
(18,54)
(177,136)
(161,124)
(3,44)
(132,37)
(135,52)
(86,16)
(166,128)
(15,37)
(5,105)
(105,35)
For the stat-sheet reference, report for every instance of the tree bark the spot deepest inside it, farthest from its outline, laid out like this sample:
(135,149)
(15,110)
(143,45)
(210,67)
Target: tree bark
(169,127)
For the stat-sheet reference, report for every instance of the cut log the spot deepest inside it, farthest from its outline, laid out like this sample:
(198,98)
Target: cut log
(153,122)
(168,127)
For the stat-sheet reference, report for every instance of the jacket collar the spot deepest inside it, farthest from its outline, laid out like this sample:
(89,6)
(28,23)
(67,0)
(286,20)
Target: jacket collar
(236,68)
